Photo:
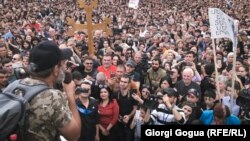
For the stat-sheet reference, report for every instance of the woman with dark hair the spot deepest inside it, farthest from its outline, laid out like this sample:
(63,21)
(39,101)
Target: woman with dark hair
(164,83)
(34,41)
(167,67)
(188,108)
(25,48)
(145,94)
(15,44)
(175,76)
(108,110)
(116,60)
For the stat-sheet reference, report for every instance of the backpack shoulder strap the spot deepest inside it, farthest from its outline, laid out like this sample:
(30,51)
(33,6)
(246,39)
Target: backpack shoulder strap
(28,91)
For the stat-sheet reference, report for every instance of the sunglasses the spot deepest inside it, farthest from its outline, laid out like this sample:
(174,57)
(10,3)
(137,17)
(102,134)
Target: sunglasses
(103,86)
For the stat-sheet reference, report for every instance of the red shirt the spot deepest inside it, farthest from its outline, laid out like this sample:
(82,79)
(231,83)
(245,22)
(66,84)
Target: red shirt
(36,26)
(109,113)
(108,71)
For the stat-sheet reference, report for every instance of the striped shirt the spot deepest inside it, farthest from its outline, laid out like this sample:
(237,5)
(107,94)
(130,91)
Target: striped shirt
(162,116)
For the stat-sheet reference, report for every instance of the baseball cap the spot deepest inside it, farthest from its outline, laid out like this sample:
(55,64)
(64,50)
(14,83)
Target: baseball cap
(193,92)
(46,55)
(170,92)
(131,63)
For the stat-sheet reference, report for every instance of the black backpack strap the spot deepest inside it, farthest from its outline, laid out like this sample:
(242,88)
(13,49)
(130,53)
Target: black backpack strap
(29,91)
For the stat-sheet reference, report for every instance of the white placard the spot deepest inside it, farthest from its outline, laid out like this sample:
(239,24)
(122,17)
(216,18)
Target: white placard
(221,25)
(133,4)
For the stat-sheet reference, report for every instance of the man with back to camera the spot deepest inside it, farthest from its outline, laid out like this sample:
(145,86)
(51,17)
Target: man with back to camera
(50,114)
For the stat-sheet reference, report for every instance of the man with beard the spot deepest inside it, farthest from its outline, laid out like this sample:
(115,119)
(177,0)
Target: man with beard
(52,113)
(154,74)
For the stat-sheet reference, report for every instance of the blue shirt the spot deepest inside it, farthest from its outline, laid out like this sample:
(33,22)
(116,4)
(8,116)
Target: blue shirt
(207,118)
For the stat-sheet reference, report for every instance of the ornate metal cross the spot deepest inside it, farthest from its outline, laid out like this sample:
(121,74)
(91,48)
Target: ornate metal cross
(89,26)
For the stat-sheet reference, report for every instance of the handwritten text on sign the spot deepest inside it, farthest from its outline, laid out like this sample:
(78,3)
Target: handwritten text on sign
(221,25)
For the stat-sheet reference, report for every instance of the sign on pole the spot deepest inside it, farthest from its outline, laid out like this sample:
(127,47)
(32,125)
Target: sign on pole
(222,26)
(133,4)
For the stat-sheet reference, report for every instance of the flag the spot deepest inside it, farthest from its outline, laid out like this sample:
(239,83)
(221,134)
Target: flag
(133,4)
(221,25)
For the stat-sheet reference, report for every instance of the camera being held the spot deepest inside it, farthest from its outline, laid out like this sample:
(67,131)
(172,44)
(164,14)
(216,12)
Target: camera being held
(153,101)
(19,70)
(244,102)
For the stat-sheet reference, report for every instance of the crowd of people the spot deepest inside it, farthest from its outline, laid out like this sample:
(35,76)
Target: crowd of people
(157,68)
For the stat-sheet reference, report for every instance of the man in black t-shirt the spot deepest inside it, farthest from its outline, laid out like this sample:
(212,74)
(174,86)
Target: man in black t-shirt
(88,110)
(127,108)
(186,83)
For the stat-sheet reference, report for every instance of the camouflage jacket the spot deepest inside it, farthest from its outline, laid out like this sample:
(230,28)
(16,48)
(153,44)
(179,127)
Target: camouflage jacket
(48,111)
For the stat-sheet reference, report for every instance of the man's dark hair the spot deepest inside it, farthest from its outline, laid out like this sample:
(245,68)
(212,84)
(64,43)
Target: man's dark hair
(210,93)
(127,77)
(157,59)
(6,60)
(209,69)
(118,49)
(190,52)
(77,75)
(87,58)
(3,71)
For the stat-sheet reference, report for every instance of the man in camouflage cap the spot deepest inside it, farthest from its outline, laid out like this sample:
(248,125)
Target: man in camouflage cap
(51,112)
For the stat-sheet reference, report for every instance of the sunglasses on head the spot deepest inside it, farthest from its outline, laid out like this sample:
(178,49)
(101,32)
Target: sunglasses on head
(103,86)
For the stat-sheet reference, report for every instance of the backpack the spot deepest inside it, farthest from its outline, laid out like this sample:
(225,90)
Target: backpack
(13,108)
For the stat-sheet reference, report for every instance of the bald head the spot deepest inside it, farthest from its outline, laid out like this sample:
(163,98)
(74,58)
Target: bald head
(187,75)
(100,76)
(138,57)
(188,71)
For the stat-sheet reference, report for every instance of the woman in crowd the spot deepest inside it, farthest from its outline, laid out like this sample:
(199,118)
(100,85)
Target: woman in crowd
(188,108)
(108,110)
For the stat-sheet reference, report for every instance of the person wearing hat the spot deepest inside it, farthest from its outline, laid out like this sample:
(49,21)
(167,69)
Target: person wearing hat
(50,112)
(167,112)
(130,71)
(194,96)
